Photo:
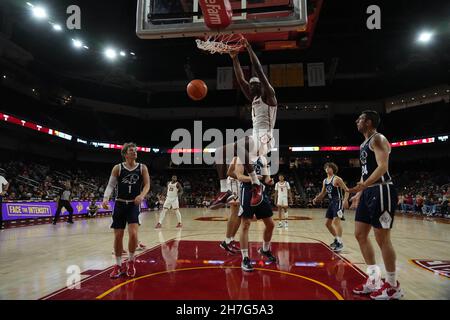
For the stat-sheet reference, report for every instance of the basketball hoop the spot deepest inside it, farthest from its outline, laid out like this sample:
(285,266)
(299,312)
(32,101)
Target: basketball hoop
(221,43)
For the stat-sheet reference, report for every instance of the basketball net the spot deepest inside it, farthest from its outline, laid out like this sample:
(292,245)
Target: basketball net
(221,43)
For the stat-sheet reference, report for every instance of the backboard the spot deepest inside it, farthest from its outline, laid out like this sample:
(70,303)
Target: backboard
(159,19)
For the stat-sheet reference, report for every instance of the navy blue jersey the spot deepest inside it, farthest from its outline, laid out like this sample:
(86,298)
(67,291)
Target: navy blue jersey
(369,162)
(332,191)
(130,182)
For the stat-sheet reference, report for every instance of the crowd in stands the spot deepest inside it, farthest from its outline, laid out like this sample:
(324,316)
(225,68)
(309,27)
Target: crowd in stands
(423,193)
(32,181)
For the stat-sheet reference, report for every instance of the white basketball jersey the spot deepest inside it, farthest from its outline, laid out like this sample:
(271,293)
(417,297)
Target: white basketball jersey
(172,190)
(263,116)
(282,188)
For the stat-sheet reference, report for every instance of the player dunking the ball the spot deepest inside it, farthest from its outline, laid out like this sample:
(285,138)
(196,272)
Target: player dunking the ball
(376,200)
(264,108)
(174,189)
(133,183)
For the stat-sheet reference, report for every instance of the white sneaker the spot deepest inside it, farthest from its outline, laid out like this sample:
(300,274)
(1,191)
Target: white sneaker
(388,292)
(280,224)
(285,223)
(368,287)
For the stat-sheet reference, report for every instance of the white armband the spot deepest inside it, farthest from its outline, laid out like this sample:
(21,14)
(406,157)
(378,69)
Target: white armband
(109,189)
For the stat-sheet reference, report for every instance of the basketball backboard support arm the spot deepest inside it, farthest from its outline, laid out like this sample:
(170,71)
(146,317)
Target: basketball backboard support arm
(293,20)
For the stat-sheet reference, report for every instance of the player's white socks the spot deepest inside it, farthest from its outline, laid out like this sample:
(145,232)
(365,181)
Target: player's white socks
(178,215)
(254,178)
(244,253)
(286,215)
(374,273)
(224,185)
(391,278)
(227,240)
(162,216)
(131,256)
(266,246)
(119,261)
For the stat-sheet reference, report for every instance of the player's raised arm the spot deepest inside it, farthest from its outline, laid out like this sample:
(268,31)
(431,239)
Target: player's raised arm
(268,89)
(245,87)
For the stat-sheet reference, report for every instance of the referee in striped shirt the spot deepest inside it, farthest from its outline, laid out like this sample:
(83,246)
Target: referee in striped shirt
(64,202)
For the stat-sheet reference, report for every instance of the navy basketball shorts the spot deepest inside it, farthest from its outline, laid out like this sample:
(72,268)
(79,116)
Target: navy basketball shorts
(333,209)
(125,213)
(377,206)
(262,211)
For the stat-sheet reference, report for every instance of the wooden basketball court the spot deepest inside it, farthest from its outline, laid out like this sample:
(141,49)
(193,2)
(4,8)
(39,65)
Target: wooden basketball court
(39,262)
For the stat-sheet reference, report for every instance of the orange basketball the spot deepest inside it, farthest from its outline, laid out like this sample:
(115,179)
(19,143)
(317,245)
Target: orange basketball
(197,90)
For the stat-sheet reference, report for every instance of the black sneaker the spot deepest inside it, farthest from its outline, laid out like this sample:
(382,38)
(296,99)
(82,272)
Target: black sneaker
(227,247)
(234,245)
(339,247)
(343,218)
(54,222)
(268,254)
(70,221)
(247,265)
(334,244)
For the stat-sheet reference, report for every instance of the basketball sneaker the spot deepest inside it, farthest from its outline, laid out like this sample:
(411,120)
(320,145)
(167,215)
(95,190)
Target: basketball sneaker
(368,287)
(234,245)
(334,244)
(117,271)
(227,247)
(280,224)
(268,254)
(131,270)
(221,200)
(247,265)
(387,292)
(141,246)
(257,195)
(338,247)
(158,226)
(285,224)
(179,225)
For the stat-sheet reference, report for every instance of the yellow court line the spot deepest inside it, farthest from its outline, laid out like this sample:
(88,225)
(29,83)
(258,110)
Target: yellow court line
(337,295)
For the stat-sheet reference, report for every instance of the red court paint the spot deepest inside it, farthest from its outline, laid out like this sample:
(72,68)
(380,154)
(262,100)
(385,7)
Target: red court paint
(191,270)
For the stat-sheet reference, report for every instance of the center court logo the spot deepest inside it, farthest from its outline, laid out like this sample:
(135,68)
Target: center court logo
(220,148)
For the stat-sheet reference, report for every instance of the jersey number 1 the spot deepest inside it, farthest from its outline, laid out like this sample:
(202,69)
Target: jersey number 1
(129,188)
